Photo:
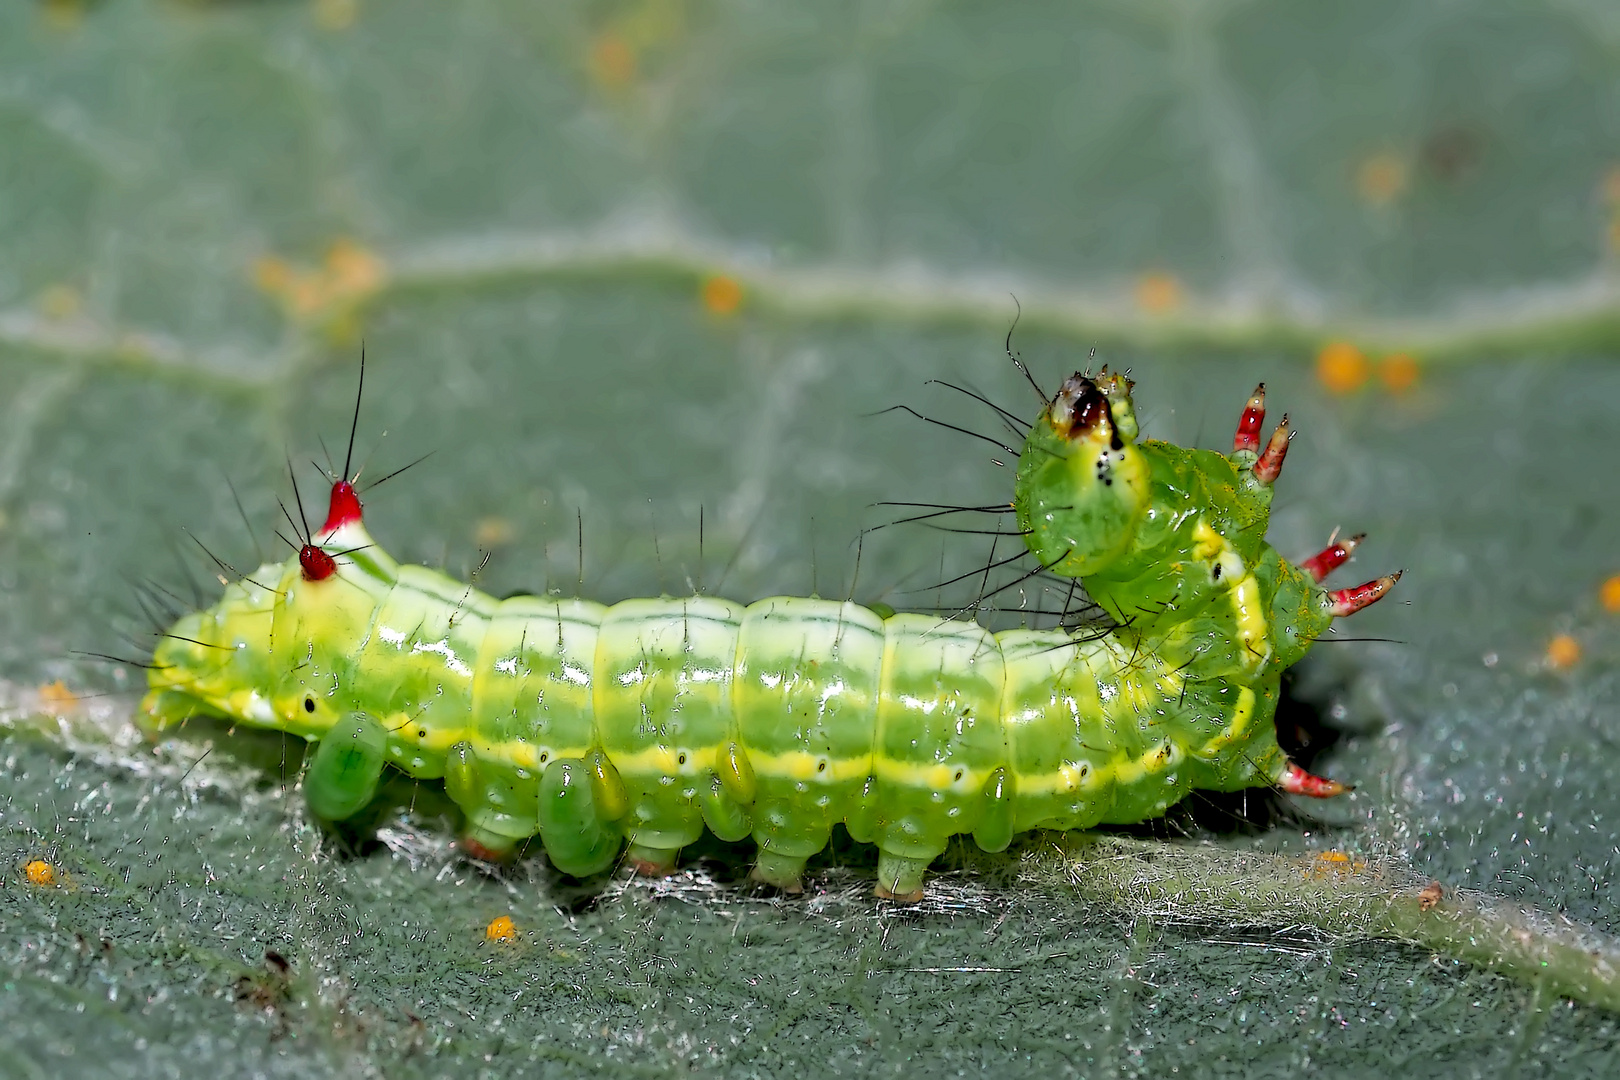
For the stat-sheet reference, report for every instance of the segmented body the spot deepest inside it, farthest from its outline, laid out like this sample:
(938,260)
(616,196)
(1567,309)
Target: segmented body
(653,719)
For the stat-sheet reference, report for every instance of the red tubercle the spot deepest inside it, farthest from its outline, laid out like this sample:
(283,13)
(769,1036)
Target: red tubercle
(316,563)
(1349,601)
(1330,558)
(1296,781)
(1254,415)
(343,509)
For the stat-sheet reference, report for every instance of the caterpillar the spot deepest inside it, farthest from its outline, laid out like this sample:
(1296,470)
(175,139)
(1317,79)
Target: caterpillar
(625,731)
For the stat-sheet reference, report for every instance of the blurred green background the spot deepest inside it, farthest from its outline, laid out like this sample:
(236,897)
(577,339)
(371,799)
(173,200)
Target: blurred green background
(629,265)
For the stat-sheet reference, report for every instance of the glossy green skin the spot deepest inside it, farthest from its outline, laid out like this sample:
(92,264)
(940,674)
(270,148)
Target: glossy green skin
(1184,564)
(653,719)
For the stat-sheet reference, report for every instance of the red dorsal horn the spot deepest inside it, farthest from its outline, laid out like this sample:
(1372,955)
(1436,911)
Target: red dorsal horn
(343,508)
(1254,415)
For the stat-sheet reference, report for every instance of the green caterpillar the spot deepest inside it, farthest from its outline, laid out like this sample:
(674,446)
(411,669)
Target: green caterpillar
(653,719)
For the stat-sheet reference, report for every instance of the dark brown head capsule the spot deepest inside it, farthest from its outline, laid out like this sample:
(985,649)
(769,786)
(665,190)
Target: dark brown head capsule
(1080,409)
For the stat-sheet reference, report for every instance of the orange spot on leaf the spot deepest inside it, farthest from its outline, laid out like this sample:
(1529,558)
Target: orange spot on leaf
(1609,594)
(613,62)
(336,14)
(1398,372)
(41,873)
(501,929)
(57,697)
(1563,652)
(1381,178)
(63,15)
(1335,862)
(60,302)
(351,270)
(272,274)
(1341,367)
(330,295)
(1611,186)
(722,295)
(493,532)
(1158,292)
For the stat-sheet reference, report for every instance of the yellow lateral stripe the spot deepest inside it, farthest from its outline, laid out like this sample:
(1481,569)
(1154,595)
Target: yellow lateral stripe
(1242,714)
(523,754)
(665,761)
(401,727)
(929,777)
(1250,613)
(802,766)
(1122,771)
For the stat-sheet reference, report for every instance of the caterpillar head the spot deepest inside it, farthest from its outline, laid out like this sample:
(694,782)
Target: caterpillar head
(269,652)
(1083,486)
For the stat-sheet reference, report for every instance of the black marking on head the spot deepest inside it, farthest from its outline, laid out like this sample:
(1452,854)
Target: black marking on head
(1080,408)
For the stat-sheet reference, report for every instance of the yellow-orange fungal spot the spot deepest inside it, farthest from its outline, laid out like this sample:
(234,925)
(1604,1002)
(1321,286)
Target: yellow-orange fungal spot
(348,274)
(1158,292)
(304,295)
(63,15)
(1341,367)
(722,295)
(613,61)
(60,302)
(1381,178)
(56,696)
(1335,862)
(1609,595)
(336,14)
(1563,652)
(501,929)
(493,532)
(352,270)
(41,873)
(1398,372)
(1611,186)
(272,274)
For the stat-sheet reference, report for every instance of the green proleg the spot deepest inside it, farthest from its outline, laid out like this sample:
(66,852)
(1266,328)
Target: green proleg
(347,765)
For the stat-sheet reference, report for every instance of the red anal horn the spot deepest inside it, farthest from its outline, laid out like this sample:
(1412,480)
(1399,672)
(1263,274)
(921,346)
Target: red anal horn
(1254,414)
(1296,781)
(1349,601)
